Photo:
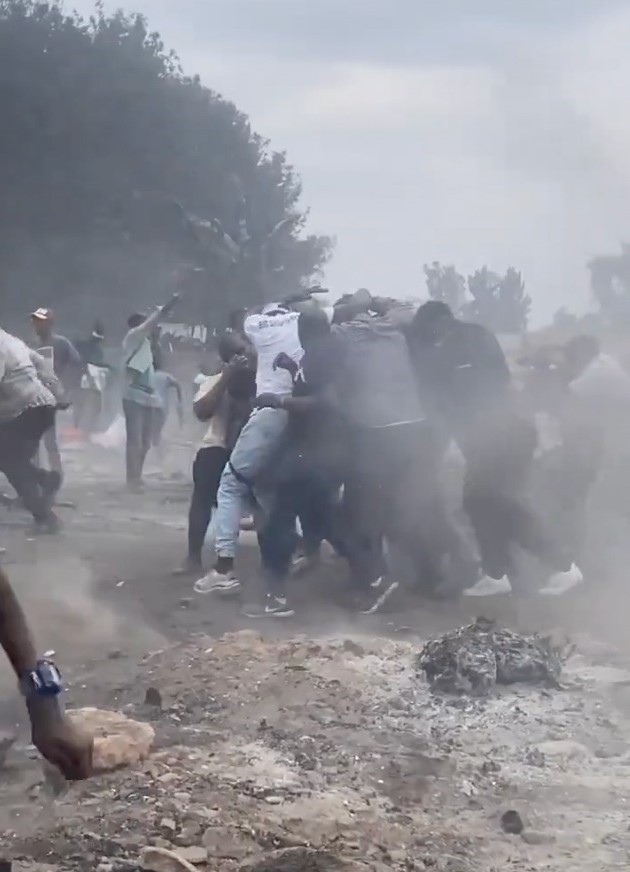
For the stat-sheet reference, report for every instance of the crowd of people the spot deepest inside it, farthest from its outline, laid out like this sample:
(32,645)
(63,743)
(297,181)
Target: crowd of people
(329,424)
(336,424)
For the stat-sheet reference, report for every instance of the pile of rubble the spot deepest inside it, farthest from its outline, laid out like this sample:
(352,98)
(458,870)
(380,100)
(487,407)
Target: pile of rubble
(474,658)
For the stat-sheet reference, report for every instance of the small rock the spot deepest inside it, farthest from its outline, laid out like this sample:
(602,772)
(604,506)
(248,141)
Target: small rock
(153,697)
(168,826)
(196,854)
(185,602)
(105,866)
(274,800)
(161,860)
(115,654)
(118,740)
(511,822)
(531,837)
(535,757)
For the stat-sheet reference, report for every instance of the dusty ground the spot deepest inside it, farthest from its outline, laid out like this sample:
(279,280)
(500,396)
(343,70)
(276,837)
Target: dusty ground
(319,734)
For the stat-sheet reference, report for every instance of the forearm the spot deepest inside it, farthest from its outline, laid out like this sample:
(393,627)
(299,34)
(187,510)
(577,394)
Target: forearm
(205,407)
(15,636)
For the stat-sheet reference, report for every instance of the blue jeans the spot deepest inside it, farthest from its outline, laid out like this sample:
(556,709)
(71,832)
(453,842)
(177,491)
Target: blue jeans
(258,440)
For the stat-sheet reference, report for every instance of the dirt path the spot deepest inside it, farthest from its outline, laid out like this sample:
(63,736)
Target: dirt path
(317,732)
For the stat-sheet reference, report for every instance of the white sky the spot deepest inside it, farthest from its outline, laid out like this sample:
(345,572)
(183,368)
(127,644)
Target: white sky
(467,131)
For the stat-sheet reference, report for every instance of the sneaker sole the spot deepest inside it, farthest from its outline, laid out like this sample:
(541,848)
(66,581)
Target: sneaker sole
(219,591)
(382,599)
(554,591)
(289,613)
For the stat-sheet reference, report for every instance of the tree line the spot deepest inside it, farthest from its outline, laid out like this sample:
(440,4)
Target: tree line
(116,167)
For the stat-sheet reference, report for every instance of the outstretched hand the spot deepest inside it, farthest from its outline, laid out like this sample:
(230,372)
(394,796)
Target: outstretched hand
(59,741)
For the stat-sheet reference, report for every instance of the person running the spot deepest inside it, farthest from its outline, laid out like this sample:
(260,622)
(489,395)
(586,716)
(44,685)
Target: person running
(29,392)
(140,399)
(463,370)
(224,400)
(68,367)
(53,734)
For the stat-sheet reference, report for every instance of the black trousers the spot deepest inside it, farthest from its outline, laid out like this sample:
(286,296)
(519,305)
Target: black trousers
(207,469)
(304,488)
(139,425)
(19,444)
(393,491)
(498,467)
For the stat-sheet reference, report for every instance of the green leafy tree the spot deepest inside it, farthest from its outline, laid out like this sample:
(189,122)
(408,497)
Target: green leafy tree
(116,167)
(444,283)
(498,302)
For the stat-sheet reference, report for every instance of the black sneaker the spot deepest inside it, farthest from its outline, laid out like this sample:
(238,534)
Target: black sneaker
(381,590)
(273,607)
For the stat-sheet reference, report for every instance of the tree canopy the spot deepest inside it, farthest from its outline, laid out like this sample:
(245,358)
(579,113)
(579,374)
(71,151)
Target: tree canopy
(116,166)
(498,302)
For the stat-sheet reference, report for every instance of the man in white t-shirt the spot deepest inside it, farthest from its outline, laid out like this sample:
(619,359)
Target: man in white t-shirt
(272,330)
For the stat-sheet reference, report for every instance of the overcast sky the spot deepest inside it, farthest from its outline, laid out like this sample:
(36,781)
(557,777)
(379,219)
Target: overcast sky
(466,131)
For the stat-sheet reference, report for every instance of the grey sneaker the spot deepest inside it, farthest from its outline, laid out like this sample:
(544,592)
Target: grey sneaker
(219,583)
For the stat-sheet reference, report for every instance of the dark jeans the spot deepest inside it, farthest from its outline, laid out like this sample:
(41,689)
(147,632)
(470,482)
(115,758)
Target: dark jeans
(19,444)
(207,468)
(498,466)
(305,489)
(139,424)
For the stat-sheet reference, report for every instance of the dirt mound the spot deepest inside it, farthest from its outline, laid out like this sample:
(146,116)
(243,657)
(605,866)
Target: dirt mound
(280,754)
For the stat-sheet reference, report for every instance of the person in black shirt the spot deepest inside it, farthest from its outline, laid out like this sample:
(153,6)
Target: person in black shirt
(463,374)
(304,476)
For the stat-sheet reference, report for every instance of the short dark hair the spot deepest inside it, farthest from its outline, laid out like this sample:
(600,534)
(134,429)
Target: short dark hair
(428,315)
(230,343)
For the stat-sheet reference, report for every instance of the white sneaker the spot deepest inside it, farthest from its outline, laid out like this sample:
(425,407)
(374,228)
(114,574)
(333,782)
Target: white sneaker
(219,583)
(562,582)
(488,586)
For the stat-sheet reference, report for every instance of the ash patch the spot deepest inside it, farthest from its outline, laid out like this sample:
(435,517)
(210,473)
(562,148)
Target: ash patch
(475,658)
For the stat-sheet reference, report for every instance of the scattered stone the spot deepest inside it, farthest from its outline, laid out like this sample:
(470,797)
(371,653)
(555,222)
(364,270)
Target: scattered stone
(195,854)
(535,757)
(274,800)
(153,697)
(161,860)
(476,657)
(512,823)
(531,837)
(118,740)
(185,602)
(168,826)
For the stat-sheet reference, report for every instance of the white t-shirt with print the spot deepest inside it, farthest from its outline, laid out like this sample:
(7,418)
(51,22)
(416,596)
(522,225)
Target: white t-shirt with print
(271,331)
